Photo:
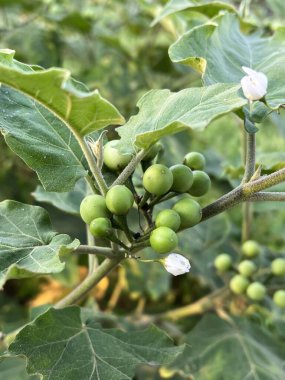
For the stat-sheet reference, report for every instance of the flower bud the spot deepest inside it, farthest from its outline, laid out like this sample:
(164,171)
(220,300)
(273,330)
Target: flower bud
(176,264)
(254,84)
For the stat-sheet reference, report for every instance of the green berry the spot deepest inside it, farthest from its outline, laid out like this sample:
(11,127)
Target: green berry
(119,200)
(238,284)
(92,207)
(168,218)
(157,179)
(153,151)
(251,249)
(278,267)
(195,161)
(246,268)
(113,158)
(101,227)
(223,262)
(279,298)
(256,291)
(163,240)
(182,178)
(189,211)
(201,184)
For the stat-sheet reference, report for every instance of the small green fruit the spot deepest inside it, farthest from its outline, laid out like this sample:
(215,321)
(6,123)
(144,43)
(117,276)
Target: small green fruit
(182,178)
(92,207)
(157,179)
(246,268)
(256,291)
(279,298)
(163,240)
(119,200)
(223,262)
(113,158)
(251,249)
(153,151)
(168,218)
(201,184)
(278,267)
(238,284)
(195,161)
(101,227)
(189,211)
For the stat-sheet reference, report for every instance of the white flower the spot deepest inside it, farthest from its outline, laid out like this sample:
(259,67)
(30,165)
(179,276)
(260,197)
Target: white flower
(176,264)
(254,84)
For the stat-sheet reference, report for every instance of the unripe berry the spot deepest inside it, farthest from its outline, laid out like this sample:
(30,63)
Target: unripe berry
(101,227)
(246,268)
(201,184)
(195,161)
(189,211)
(168,218)
(256,291)
(163,240)
(119,200)
(251,249)
(278,267)
(223,262)
(113,158)
(182,178)
(238,284)
(279,298)
(92,207)
(157,179)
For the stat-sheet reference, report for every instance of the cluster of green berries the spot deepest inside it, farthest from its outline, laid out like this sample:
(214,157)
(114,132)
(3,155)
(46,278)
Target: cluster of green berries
(158,181)
(243,281)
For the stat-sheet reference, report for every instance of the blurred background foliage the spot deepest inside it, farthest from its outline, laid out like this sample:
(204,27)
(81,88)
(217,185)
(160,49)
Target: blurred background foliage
(110,45)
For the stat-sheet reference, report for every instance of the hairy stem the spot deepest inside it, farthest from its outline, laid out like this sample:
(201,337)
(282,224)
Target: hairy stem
(250,157)
(89,282)
(130,168)
(100,251)
(92,164)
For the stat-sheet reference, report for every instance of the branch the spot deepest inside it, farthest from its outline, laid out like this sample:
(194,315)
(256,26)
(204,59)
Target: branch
(89,282)
(263,196)
(94,250)
(130,168)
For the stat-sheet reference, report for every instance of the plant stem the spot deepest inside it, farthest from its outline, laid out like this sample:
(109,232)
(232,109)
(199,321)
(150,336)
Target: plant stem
(100,251)
(92,260)
(263,196)
(209,302)
(246,221)
(250,157)
(92,164)
(130,168)
(89,282)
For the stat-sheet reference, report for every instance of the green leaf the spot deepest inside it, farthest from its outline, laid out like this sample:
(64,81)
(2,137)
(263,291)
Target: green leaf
(207,7)
(219,50)
(59,346)
(82,111)
(238,351)
(41,140)
(68,202)
(28,245)
(163,113)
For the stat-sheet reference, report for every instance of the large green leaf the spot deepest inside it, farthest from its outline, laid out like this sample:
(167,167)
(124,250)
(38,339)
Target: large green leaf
(220,49)
(41,140)
(238,351)
(163,112)
(82,111)
(28,245)
(67,201)
(59,346)
(207,7)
